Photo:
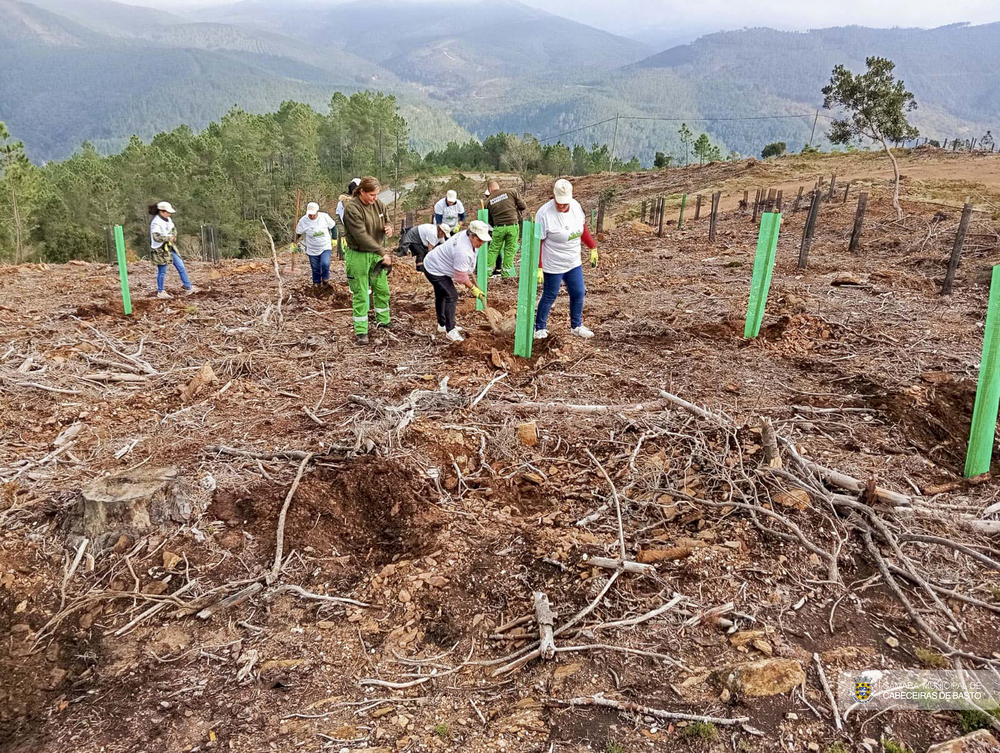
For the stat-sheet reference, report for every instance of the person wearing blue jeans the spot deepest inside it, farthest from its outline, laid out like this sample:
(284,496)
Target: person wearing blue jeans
(563,226)
(162,237)
(318,230)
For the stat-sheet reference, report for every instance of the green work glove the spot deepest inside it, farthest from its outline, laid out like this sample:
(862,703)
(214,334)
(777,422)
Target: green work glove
(293,248)
(477,292)
(593,257)
(457,228)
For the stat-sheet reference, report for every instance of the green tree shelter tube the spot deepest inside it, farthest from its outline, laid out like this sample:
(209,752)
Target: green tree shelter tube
(527,289)
(482,265)
(763,266)
(984,414)
(123,270)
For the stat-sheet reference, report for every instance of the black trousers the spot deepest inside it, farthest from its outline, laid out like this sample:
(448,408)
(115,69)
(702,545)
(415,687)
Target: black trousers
(445,299)
(417,250)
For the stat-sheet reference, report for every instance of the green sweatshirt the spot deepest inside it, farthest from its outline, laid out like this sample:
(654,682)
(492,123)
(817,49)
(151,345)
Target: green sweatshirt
(364,226)
(505,205)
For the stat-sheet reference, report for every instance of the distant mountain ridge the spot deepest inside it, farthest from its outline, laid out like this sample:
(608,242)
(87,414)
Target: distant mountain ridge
(474,68)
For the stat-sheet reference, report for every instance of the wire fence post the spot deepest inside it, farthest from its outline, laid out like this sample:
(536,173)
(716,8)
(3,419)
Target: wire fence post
(859,223)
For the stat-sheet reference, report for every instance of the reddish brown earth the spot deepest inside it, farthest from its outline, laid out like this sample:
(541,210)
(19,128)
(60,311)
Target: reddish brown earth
(445,523)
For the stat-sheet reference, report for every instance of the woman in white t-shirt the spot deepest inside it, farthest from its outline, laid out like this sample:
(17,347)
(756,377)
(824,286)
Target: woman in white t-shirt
(318,230)
(455,261)
(563,226)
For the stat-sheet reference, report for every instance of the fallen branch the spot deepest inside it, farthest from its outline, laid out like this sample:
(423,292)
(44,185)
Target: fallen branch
(298,590)
(486,389)
(635,708)
(70,571)
(829,693)
(718,419)
(616,564)
(277,273)
(618,504)
(155,608)
(280,545)
(230,601)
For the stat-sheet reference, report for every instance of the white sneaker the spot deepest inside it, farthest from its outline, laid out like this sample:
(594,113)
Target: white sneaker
(582,331)
(191,290)
(442,329)
(455,336)
(163,294)
(541,334)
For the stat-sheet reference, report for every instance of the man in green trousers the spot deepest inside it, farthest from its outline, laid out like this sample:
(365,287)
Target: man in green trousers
(505,207)
(366,225)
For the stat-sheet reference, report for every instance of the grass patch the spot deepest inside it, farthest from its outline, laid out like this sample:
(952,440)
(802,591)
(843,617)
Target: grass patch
(700,731)
(837,747)
(931,659)
(891,746)
(971,720)
(614,746)
(442,731)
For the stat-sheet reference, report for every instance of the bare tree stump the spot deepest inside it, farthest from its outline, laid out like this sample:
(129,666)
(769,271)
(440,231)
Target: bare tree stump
(132,503)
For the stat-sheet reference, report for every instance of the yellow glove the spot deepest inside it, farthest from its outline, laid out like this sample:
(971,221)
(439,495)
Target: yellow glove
(593,257)
(457,228)
(477,292)
(293,248)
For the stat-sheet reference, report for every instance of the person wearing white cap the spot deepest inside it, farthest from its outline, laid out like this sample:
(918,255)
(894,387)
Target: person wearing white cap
(455,261)
(319,230)
(563,226)
(420,240)
(450,211)
(162,240)
(352,188)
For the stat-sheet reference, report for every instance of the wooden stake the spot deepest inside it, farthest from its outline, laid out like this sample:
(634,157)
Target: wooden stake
(807,231)
(956,251)
(756,206)
(663,209)
(697,208)
(859,223)
(798,200)
(833,185)
(716,199)
(777,201)
(643,218)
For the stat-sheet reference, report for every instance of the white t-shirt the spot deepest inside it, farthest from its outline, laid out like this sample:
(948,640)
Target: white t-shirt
(161,227)
(340,210)
(561,232)
(317,233)
(428,233)
(454,255)
(449,213)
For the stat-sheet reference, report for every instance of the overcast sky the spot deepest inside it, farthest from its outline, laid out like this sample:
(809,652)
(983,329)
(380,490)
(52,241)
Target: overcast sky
(686,17)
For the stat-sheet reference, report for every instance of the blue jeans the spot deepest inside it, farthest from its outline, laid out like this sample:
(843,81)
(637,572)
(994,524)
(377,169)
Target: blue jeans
(320,265)
(161,272)
(574,284)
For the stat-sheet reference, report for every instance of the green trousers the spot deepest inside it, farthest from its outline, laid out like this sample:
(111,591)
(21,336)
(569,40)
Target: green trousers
(504,245)
(359,268)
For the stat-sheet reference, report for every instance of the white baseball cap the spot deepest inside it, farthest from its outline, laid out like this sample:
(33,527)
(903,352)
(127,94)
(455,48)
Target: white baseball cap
(312,207)
(562,191)
(164,206)
(451,196)
(445,229)
(481,230)
(355,181)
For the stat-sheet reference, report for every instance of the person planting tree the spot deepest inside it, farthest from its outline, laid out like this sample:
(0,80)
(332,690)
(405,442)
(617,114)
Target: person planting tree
(366,226)
(162,242)
(454,261)
(450,211)
(318,230)
(420,240)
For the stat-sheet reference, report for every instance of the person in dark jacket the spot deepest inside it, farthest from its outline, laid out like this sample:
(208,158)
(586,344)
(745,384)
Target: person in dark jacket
(505,208)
